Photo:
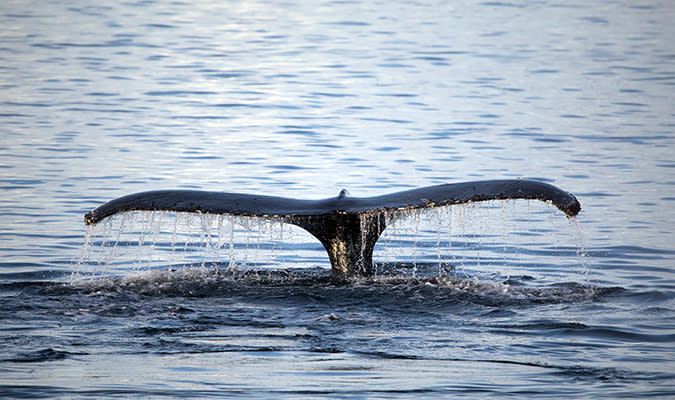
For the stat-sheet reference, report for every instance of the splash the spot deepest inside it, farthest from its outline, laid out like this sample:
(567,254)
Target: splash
(486,241)
(150,240)
(241,283)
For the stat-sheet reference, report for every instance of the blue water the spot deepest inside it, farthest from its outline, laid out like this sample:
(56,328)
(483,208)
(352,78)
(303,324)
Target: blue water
(302,99)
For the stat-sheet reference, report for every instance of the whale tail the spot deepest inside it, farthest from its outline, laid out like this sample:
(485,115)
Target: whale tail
(347,227)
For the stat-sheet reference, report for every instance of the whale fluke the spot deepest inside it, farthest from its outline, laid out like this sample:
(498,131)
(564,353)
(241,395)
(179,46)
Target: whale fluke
(347,227)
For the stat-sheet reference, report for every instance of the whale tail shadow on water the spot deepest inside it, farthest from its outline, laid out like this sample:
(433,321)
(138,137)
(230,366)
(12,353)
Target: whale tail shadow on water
(348,227)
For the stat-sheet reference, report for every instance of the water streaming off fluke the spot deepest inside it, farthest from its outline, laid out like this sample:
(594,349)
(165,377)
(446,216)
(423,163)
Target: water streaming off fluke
(478,240)
(347,227)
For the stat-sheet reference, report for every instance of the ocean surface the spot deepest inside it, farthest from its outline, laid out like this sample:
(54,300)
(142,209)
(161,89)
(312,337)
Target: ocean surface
(302,99)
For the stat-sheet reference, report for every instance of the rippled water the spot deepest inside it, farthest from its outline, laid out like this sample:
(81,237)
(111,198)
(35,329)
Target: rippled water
(301,100)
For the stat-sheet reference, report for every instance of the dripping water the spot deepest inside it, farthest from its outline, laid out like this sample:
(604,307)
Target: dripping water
(494,240)
(466,241)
